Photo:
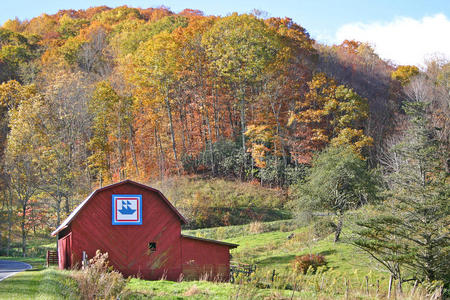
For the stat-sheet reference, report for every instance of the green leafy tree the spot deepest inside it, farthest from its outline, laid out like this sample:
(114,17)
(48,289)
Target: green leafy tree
(338,181)
(130,33)
(70,27)
(15,51)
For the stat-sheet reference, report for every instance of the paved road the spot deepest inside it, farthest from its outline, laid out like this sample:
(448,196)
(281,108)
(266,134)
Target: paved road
(9,268)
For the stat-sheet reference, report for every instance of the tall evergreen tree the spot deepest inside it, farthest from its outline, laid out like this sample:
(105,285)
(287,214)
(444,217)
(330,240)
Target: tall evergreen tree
(411,239)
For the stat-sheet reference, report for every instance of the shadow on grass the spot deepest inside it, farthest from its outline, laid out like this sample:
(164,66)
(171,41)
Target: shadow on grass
(35,269)
(283,259)
(327,252)
(138,295)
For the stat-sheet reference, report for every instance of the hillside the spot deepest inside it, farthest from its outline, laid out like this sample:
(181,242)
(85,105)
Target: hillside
(264,244)
(148,94)
(252,129)
(256,113)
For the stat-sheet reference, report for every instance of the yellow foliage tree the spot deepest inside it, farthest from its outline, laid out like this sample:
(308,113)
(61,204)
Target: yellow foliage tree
(332,114)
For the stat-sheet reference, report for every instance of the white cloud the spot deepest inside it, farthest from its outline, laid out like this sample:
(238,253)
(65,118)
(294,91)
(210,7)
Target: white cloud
(404,41)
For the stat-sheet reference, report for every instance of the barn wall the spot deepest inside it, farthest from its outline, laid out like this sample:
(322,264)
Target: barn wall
(127,245)
(65,251)
(201,257)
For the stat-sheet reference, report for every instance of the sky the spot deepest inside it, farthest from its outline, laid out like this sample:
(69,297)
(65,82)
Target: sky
(402,31)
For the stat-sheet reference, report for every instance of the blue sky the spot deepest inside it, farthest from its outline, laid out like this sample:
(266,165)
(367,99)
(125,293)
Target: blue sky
(328,21)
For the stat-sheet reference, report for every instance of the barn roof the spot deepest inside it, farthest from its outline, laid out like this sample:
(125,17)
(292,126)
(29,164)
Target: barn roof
(75,212)
(231,245)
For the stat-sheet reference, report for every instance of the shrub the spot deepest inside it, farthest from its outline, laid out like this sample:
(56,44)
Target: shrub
(305,262)
(98,280)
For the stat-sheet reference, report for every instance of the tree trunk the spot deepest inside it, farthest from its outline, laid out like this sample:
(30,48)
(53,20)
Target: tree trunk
(243,124)
(183,128)
(172,133)
(133,149)
(24,237)
(243,136)
(58,211)
(216,114)
(120,150)
(8,241)
(209,142)
(230,117)
(162,156)
(338,231)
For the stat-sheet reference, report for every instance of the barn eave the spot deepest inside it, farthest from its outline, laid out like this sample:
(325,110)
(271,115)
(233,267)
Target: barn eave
(230,245)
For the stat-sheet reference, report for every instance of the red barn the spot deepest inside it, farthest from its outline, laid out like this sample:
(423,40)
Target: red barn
(141,231)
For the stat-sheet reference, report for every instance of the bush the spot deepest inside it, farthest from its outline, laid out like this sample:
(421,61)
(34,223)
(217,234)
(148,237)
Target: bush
(305,262)
(98,280)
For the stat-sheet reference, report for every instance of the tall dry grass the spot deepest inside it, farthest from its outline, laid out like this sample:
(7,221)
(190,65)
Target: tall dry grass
(328,285)
(98,280)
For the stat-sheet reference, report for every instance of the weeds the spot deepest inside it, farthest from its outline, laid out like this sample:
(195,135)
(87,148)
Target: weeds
(325,285)
(98,280)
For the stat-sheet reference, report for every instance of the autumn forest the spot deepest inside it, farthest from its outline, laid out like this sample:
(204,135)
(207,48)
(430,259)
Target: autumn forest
(91,97)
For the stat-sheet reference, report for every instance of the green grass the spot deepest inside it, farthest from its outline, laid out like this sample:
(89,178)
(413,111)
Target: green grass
(174,290)
(227,232)
(141,289)
(274,251)
(41,283)
(264,244)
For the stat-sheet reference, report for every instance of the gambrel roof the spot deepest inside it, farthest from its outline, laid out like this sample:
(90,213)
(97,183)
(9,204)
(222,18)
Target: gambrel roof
(75,212)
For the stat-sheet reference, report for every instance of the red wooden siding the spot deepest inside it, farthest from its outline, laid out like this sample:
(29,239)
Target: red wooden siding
(202,258)
(89,228)
(127,245)
(65,251)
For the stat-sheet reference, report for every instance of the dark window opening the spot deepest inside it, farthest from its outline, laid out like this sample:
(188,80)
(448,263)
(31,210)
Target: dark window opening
(152,246)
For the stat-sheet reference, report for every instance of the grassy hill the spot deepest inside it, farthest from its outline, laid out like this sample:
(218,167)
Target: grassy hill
(219,202)
(349,273)
(271,246)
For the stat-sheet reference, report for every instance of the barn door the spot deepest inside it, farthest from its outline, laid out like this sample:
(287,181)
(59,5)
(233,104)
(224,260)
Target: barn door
(64,252)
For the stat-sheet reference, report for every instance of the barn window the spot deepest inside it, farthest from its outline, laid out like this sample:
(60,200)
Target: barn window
(152,246)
